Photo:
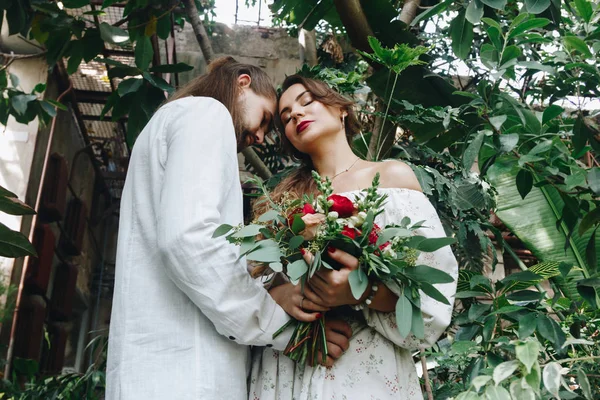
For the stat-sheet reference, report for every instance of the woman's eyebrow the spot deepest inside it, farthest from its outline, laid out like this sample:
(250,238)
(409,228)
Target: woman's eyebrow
(296,99)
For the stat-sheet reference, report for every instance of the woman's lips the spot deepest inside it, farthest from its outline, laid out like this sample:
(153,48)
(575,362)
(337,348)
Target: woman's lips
(302,126)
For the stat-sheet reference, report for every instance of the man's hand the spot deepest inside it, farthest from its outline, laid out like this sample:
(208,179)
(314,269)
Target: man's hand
(305,306)
(338,335)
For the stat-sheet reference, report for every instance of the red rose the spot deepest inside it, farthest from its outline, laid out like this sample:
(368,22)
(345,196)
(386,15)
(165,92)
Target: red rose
(342,205)
(308,209)
(292,215)
(374,235)
(349,232)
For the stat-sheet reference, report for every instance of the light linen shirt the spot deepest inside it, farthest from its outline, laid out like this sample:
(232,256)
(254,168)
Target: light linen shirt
(184,307)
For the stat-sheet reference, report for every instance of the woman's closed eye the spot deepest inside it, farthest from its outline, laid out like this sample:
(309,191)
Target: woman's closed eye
(304,101)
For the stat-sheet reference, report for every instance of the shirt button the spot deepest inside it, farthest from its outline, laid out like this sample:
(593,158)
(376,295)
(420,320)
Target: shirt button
(231,338)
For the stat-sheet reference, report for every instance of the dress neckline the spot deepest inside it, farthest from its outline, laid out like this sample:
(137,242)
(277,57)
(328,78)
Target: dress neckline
(379,189)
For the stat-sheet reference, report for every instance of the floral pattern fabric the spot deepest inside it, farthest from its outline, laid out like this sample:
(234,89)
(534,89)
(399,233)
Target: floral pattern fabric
(378,365)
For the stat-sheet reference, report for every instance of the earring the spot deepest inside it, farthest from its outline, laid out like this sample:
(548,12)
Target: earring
(344,121)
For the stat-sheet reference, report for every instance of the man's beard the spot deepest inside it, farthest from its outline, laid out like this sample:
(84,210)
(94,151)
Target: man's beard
(244,139)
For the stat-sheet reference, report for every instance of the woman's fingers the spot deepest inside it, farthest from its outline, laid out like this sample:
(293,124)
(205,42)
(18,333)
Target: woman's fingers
(347,260)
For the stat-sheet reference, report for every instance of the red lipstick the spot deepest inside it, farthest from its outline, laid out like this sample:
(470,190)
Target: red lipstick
(302,126)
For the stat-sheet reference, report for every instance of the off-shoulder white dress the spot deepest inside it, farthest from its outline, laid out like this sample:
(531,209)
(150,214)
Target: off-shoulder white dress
(378,364)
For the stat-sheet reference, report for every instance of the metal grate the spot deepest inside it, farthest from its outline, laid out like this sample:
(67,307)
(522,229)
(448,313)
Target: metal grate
(93,109)
(91,76)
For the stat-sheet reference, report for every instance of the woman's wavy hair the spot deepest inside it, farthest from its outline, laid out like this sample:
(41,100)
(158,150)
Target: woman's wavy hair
(300,181)
(220,83)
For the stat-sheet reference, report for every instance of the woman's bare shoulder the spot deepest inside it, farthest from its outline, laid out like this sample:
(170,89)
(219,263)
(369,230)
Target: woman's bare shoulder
(396,174)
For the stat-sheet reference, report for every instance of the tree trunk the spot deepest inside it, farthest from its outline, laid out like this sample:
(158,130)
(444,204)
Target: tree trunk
(355,21)
(201,36)
(409,11)
(308,47)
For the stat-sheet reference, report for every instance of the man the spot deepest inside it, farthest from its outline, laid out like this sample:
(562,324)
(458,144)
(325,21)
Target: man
(184,307)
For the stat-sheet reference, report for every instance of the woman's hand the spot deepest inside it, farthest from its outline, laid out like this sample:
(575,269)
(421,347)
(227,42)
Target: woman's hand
(304,306)
(332,287)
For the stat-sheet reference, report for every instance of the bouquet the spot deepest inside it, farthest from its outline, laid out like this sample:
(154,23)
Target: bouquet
(279,237)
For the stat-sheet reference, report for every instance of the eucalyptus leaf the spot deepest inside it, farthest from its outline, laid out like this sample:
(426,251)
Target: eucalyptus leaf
(295,242)
(404,315)
(268,216)
(390,233)
(297,269)
(358,282)
(424,273)
(418,327)
(248,231)
(430,245)
(432,292)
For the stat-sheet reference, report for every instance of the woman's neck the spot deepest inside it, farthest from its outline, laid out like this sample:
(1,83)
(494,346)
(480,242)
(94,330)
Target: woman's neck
(333,157)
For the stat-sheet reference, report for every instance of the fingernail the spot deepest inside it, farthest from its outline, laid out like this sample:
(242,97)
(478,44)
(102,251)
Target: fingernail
(319,315)
(302,251)
(331,249)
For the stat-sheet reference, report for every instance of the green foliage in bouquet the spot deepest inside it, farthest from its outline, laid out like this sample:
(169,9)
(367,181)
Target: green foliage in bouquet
(280,236)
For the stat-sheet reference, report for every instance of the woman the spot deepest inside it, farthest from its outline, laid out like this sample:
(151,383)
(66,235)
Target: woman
(317,125)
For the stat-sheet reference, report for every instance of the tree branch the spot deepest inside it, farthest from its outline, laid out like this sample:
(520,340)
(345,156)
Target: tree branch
(409,11)
(259,166)
(201,35)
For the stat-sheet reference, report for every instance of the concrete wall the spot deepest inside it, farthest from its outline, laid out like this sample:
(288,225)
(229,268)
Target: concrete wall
(17,147)
(272,49)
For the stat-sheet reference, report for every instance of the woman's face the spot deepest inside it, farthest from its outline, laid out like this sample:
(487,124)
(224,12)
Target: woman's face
(306,120)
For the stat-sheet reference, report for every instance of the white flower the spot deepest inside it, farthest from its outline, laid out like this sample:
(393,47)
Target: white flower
(333,215)
(355,221)
(387,250)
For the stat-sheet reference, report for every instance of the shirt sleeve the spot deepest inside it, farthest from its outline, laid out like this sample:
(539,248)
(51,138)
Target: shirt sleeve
(200,171)
(436,315)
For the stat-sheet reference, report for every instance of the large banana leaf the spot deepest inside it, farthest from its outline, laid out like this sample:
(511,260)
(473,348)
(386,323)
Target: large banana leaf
(534,221)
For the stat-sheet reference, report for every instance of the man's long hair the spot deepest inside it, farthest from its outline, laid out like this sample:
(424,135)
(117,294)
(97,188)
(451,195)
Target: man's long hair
(221,83)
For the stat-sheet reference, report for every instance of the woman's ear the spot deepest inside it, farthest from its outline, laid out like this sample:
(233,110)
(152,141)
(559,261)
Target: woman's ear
(244,81)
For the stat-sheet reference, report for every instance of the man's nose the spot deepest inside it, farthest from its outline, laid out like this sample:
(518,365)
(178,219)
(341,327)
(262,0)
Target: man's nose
(259,136)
